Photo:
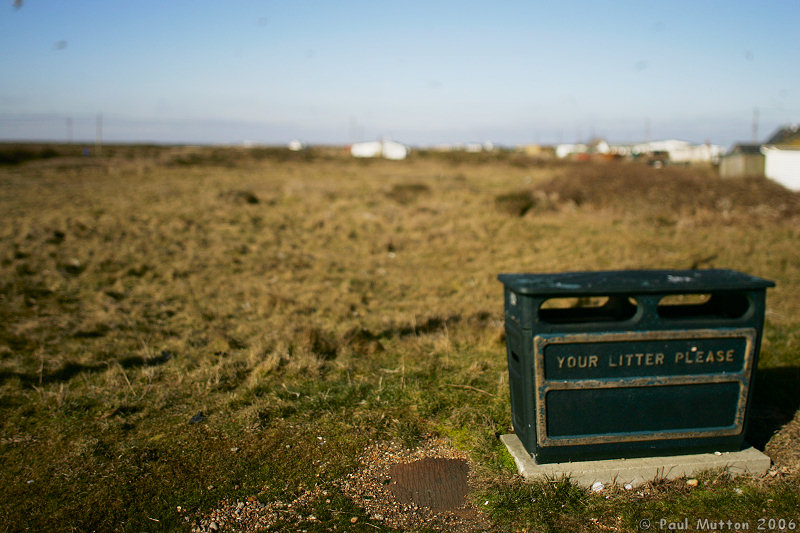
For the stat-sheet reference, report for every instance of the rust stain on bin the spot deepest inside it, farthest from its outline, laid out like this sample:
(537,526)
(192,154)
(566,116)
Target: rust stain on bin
(434,483)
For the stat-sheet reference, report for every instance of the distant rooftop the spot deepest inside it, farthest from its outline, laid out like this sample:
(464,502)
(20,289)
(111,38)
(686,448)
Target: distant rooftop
(786,135)
(744,148)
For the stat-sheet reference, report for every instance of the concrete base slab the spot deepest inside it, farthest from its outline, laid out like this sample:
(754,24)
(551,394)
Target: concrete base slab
(639,470)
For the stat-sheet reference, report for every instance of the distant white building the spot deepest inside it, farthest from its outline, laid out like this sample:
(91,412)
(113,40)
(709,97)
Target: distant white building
(366,149)
(296,145)
(782,164)
(683,151)
(470,147)
(566,150)
(473,148)
(393,150)
(697,153)
(385,149)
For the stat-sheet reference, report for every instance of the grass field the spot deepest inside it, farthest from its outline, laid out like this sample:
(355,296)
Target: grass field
(187,329)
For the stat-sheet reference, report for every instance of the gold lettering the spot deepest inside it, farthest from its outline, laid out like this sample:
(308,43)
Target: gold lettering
(694,356)
(700,356)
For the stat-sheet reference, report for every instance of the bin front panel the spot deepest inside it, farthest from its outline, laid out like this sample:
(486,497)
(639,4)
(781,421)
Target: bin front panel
(641,385)
(672,411)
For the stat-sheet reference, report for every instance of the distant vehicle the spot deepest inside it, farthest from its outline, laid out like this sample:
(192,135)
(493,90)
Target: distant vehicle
(658,158)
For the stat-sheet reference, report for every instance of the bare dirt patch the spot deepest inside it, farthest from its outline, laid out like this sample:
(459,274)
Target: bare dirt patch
(676,191)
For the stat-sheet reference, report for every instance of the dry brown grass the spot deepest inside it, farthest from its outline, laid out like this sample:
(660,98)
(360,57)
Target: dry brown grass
(287,295)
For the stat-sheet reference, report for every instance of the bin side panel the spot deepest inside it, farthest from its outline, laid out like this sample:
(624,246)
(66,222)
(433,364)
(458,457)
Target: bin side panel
(520,383)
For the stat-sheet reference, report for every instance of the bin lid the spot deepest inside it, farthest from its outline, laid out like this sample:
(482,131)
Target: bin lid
(632,282)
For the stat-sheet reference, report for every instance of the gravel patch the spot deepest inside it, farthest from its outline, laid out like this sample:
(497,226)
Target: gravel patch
(373,488)
(252,515)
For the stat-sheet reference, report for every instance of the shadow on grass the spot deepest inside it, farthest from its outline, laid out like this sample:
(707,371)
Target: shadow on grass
(371,340)
(435,324)
(70,370)
(774,403)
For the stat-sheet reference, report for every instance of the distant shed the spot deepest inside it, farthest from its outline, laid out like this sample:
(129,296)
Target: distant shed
(366,149)
(394,150)
(385,149)
(744,160)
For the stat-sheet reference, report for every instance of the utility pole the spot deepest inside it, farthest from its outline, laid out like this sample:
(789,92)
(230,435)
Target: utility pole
(755,125)
(98,142)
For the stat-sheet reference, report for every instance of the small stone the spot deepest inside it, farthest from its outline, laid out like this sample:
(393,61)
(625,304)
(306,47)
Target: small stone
(717,453)
(354,520)
(213,526)
(234,449)
(692,482)
(628,486)
(597,486)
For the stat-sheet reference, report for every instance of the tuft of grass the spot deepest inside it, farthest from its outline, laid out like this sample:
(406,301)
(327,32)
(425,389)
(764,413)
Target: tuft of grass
(405,193)
(515,203)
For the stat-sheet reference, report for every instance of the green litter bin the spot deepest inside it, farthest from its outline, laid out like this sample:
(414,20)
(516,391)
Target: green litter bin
(631,363)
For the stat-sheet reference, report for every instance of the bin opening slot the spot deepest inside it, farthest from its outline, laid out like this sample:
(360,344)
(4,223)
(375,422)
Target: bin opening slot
(693,306)
(587,309)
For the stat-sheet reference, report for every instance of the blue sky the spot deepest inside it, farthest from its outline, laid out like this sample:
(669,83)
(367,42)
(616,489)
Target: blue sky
(418,72)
